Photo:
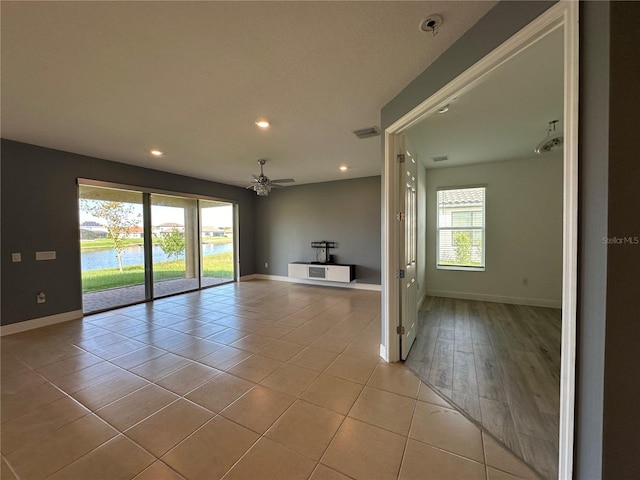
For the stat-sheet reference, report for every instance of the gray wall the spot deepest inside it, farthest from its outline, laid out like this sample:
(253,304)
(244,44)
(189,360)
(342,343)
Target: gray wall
(346,212)
(607,418)
(523,232)
(593,174)
(40,212)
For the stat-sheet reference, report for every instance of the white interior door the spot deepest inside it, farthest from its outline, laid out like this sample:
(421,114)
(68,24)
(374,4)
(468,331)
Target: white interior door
(407,265)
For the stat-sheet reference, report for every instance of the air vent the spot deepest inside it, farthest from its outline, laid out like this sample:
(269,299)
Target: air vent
(367,132)
(443,158)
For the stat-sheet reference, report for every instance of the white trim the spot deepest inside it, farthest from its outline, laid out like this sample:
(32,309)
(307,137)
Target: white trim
(383,353)
(564,14)
(422,299)
(533,302)
(236,242)
(246,278)
(40,322)
(353,285)
(569,12)
(390,294)
(439,229)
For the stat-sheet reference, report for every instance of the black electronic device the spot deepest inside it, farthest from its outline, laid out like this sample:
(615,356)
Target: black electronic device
(322,250)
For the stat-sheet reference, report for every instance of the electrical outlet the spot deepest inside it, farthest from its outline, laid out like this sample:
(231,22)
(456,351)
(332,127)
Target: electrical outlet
(41,297)
(266,265)
(16,257)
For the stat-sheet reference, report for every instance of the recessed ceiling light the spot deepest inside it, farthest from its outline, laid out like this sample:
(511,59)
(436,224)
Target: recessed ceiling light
(156,153)
(344,168)
(444,109)
(262,123)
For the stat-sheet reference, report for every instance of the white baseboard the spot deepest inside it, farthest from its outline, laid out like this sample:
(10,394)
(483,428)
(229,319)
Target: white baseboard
(533,302)
(421,300)
(280,278)
(40,322)
(383,353)
(246,278)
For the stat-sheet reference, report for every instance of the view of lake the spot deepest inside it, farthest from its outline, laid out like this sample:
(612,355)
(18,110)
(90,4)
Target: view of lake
(106,258)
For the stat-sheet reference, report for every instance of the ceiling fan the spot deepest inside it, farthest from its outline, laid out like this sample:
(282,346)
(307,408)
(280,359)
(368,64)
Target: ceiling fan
(262,185)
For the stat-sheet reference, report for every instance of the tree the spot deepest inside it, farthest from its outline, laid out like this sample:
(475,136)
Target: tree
(171,243)
(463,248)
(464,245)
(118,218)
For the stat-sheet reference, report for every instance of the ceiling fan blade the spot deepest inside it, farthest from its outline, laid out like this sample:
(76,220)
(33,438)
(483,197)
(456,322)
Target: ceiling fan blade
(283,180)
(275,185)
(255,176)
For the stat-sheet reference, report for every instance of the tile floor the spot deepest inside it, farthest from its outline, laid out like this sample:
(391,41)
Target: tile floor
(114,297)
(255,380)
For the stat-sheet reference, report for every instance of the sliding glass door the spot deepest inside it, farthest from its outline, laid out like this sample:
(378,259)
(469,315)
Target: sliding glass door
(137,246)
(176,263)
(217,234)
(111,247)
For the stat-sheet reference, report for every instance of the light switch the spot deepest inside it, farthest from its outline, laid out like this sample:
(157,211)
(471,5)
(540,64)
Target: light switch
(51,255)
(16,257)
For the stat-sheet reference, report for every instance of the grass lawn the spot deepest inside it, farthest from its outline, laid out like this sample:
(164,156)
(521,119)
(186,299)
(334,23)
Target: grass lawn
(217,265)
(107,243)
(99,243)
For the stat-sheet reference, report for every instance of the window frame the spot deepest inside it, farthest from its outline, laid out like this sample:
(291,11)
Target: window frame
(482,229)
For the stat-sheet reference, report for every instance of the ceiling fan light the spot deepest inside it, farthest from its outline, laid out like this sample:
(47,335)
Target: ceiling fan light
(262,190)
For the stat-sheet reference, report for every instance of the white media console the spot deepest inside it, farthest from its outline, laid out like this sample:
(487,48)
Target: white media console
(330,272)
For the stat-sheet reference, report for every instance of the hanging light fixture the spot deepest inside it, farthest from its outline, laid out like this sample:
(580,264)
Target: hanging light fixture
(553,141)
(262,190)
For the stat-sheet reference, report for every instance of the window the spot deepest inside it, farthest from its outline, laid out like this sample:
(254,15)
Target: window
(460,238)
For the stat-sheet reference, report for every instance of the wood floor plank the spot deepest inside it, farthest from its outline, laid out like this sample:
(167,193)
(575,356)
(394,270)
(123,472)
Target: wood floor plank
(528,420)
(546,393)
(542,454)
(441,373)
(479,332)
(462,329)
(496,418)
(465,385)
(488,374)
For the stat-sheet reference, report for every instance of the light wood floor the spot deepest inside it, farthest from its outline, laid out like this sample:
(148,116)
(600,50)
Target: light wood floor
(500,365)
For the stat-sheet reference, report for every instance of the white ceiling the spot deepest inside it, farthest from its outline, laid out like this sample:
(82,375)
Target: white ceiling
(116,79)
(502,118)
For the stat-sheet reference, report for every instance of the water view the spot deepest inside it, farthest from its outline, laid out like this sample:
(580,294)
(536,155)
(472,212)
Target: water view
(134,255)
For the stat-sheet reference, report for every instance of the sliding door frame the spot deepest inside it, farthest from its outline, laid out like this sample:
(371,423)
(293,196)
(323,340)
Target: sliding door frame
(147,227)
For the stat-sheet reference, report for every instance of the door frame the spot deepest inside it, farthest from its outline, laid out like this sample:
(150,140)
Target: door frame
(148,259)
(562,15)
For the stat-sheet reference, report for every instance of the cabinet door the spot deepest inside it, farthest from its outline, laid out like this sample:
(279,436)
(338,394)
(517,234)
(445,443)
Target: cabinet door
(298,270)
(338,273)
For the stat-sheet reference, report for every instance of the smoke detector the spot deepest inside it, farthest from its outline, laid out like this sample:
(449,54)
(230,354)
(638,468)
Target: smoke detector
(431,24)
